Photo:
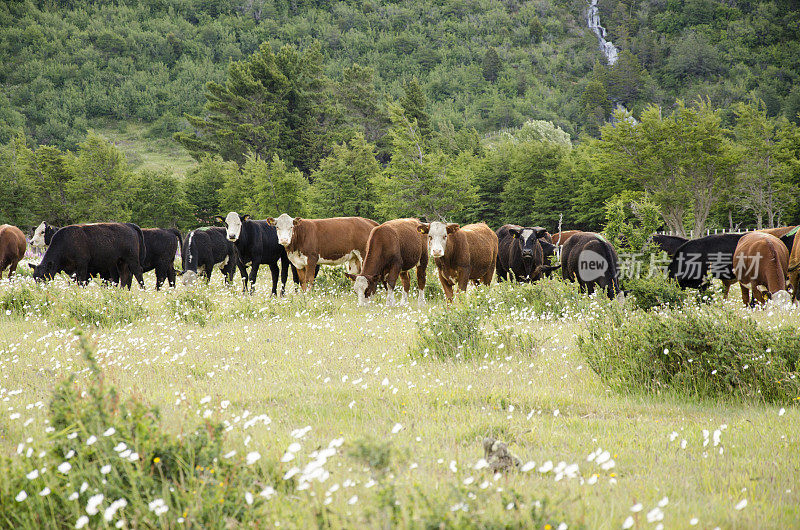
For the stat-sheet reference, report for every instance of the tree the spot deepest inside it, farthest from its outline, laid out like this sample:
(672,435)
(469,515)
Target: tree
(595,106)
(98,188)
(419,182)
(344,183)
(157,200)
(50,174)
(203,185)
(279,188)
(413,104)
(491,65)
(625,80)
(17,189)
(270,104)
(759,186)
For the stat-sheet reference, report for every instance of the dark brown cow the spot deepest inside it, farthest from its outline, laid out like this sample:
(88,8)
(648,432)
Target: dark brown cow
(333,241)
(559,238)
(12,248)
(760,263)
(461,253)
(393,248)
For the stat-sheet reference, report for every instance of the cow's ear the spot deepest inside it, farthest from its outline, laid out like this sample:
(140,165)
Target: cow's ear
(219,219)
(423,228)
(32,266)
(540,232)
(351,277)
(245,217)
(514,232)
(452,227)
(296,221)
(270,221)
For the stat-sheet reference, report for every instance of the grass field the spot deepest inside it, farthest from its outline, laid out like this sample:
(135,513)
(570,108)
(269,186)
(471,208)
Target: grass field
(322,369)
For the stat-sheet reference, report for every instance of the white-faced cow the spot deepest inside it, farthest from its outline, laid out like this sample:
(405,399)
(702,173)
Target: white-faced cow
(111,250)
(334,241)
(523,253)
(393,248)
(206,248)
(591,260)
(12,248)
(257,244)
(461,253)
(43,235)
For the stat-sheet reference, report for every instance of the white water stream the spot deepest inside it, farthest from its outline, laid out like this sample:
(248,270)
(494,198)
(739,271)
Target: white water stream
(593,20)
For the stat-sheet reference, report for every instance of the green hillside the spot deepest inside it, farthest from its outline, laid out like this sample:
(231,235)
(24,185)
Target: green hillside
(481,63)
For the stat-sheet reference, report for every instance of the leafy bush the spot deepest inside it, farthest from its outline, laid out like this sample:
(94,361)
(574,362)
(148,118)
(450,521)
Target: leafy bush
(108,460)
(705,353)
(655,291)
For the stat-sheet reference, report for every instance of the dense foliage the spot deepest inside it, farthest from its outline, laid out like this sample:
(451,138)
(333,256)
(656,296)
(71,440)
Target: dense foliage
(481,64)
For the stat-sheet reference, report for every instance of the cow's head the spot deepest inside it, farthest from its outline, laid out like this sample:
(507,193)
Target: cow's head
(233,222)
(188,277)
(284,225)
(437,236)
(38,239)
(44,271)
(365,286)
(527,239)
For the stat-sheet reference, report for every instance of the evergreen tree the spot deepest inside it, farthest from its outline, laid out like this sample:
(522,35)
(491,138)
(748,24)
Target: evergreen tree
(595,106)
(413,104)
(169,210)
(344,182)
(491,65)
(279,188)
(203,186)
(17,189)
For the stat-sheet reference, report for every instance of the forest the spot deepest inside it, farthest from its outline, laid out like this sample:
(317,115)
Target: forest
(461,110)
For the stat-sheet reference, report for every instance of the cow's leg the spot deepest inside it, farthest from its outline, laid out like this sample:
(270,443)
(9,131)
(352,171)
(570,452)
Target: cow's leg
(590,288)
(301,278)
(406,279)
(284,273)
(136,270)
(273,268)
(161,275)
(758,295)
(745,295)
(422,277)
(171,274)
(463,280)
(726,287)
(12,268)
(447,287)
(487,278)
(311,268)
(253,275)
(82,274)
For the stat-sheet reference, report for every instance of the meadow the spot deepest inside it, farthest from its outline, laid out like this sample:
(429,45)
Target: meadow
(335,415)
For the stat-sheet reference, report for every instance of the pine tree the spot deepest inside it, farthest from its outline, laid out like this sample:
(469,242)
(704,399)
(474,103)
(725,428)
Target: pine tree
(413,104)
(491,65)
(203,186)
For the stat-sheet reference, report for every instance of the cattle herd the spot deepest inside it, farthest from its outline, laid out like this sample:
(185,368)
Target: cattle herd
(764,262)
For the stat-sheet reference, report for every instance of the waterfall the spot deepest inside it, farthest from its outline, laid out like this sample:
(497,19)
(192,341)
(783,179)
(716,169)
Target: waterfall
(593,20)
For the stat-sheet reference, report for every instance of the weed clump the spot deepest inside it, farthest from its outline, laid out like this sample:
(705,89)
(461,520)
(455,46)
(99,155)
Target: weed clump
(108,461)
(655,291)
(705,353)
(193,307)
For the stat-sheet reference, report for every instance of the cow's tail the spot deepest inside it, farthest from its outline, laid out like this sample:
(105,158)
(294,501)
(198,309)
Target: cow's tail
(776,277)
(177,233)
(613,287)
(142,249)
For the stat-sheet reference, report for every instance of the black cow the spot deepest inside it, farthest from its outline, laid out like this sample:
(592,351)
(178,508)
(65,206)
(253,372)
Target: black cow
(111,250)
(668,244)
(205,248)
(591,260)
(257,244)
(522,252)
(162,244)
(43,234)
(698,258)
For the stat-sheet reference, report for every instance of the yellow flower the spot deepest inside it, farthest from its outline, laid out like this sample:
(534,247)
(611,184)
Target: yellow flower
(547,527)
(156,460)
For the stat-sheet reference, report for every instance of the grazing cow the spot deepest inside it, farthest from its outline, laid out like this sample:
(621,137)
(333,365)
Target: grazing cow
(205,248)
(760,263)
(333,241)
(12,248)
(590,259)
(162,244)
(560,238)
(393,248)
(522,252)
(43,235)
(98,248)
(461,254)
(669,244)
(257,244)
(697,258)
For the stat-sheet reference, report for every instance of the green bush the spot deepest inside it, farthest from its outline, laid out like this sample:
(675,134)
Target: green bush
(113,308)
(193,307)
(655,291)
(706,353)
(116,451)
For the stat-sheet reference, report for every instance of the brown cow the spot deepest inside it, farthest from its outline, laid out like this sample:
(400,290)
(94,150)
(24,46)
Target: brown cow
(393,248)
(325,241)
(461,253)
(760,263)
(12,248)
(559,238)
(794,268)
(778,232)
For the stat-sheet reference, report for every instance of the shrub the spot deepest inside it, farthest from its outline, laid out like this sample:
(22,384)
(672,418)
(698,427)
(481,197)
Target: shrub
(106,448)
(114,308)
(21,300)
(655,291)
(705,353)
(193,307)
